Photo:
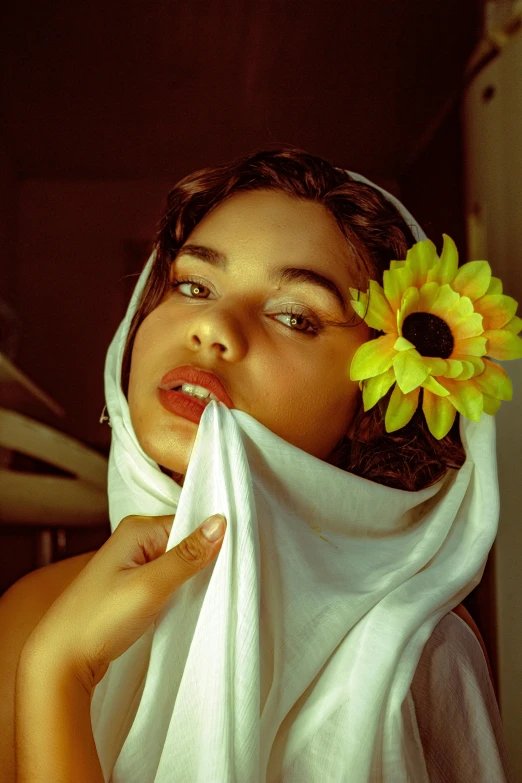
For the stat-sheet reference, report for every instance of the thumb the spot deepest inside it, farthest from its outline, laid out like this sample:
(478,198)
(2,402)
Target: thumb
(175,567)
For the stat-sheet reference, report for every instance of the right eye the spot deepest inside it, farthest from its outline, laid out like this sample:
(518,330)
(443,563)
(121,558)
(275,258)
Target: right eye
(175,284)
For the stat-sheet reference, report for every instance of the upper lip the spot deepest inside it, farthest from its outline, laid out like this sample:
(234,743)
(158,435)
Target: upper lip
(190,374)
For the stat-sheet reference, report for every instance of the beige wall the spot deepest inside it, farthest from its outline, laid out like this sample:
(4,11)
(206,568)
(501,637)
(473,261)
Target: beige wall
(493,131)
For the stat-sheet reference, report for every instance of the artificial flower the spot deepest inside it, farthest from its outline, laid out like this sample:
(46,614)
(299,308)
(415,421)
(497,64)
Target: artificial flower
(440,321)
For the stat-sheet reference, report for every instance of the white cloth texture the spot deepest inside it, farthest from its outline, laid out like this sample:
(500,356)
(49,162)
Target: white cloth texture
(290,656)
(455,709)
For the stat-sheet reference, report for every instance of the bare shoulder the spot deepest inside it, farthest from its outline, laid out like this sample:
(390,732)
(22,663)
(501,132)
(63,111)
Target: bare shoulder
(24,604)
(41,587)
(22,607)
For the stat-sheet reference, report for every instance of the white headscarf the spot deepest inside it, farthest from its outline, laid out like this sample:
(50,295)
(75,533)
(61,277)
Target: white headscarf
(290,657)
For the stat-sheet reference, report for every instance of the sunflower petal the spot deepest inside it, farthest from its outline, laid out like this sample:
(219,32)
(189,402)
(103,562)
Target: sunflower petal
(437,365)
(472,279)
(359,302)
(396,281)
(439,413)
(515,325)
(376,387)
(392,287)
(428,294)
(400,408)
(373,357)
(476,361)
(420,259)
(465,396)
(410,370)
(497,310)
(491,405)
(469,327)
(454,368)
(503,344)
(471,346)
(360,308)
(410,301)
(380,315)
(434,386)
(359,296)
(397,264)
(460,310)
(446,299)
(468,370)
(495,382)
(495,286)
(445,270)
(402,344)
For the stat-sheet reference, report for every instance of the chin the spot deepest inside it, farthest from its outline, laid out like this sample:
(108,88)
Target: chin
(166,442)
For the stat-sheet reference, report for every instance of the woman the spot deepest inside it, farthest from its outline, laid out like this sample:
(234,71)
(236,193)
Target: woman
(354,521)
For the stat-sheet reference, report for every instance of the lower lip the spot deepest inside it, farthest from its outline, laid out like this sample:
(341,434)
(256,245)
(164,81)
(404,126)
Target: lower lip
(181,404)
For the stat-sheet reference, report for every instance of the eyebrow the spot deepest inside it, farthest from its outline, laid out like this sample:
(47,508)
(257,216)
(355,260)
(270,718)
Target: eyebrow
(287,274)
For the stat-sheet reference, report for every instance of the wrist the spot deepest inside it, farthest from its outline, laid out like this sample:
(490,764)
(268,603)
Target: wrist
(45,661)
(53,734)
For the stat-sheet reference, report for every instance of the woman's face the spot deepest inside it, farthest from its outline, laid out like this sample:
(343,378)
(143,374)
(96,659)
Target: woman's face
(294,383)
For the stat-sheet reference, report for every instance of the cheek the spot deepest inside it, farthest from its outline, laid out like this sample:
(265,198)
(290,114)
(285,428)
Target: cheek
(136,366)
(314,401)
(140,378)
(147,346)
(331,392)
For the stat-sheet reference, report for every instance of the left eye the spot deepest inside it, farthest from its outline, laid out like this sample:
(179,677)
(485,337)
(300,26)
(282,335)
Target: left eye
(313,326)
(296,316)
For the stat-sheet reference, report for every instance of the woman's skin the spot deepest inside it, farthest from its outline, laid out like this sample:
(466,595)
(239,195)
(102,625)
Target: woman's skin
(296,386)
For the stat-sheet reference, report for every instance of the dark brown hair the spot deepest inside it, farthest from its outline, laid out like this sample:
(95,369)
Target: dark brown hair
(410,458)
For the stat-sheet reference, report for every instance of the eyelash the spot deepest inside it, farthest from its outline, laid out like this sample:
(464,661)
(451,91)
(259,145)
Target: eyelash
(316,326)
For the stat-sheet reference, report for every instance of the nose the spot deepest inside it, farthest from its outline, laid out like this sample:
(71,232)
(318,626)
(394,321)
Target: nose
(218,332)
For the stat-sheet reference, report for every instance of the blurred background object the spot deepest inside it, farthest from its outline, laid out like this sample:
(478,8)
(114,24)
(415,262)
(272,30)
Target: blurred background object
(104,108)
(49,482)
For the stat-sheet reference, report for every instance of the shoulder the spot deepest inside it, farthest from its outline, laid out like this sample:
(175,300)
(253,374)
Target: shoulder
(463,613)
(452,665)
(55,577)
(23,605)
(456,641)
(456,710)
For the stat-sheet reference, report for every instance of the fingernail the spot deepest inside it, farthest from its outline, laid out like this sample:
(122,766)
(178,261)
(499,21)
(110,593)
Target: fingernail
(214,528)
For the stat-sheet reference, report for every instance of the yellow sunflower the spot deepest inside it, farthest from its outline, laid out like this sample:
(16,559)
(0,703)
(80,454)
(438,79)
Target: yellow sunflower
(439,319)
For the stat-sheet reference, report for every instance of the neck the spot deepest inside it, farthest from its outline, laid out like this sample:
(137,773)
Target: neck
(179,478)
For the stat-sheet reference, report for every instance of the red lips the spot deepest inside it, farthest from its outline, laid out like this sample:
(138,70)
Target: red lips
(182,404)
(189,374)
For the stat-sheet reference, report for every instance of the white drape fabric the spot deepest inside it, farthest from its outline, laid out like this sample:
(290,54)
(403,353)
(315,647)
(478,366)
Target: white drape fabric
(289,657)
(453,704)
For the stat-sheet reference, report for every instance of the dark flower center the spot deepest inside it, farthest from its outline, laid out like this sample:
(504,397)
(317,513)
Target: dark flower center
(430,335)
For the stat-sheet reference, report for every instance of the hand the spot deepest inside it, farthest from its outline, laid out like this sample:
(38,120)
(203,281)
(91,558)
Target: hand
(117,596)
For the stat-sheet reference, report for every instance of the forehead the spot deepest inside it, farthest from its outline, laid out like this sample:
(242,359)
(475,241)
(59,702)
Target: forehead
(273,222)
